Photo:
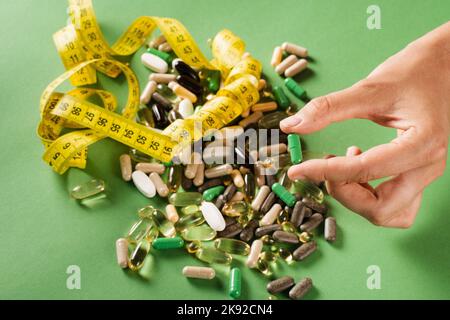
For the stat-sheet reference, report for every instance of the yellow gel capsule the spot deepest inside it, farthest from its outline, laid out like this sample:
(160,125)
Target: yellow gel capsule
(264,267)
(190,209)
(305,237)
(193,246)
(232,246)
(268,256)
(190,220)
(199,233)
(184,199)
(212,255)
(285,254)
(235,209)
(138,255)
(288,227)
(88,189)
(165,226)
(309,189)
(143,229)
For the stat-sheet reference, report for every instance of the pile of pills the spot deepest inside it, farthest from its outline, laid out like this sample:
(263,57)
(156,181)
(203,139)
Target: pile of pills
(219,208)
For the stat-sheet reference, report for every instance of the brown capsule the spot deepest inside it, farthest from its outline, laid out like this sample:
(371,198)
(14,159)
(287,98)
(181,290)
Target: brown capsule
(220,202)
(268,203)
(286,237)
(298,214)
(280,284)
(186,183)
(248,232)
(330,229)
(300,289)
(312,223)
(318,207)
(262,231)
(229,192)
(271,179)
(209,184)
(304,250)
(230,231)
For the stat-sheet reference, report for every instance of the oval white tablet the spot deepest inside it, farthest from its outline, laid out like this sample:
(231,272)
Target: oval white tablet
(186,108)
(213,216)
(154,63)
(144,184)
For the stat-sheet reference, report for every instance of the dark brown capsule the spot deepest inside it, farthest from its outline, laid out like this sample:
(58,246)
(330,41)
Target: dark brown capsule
(160,117)
(248,232)
(230,231)
(286,237)
(318,207)
(210,184)
(229,220)
(162,101)
(304,250)
(262,231)
(313,222)
(280,284)
(220,202)
(268,203)
(229,192)
(300,289)
(192,85)
(186,183)
(271,179)
(298,214)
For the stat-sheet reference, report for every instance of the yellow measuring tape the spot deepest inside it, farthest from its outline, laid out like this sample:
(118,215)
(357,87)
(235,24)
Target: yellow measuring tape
(83,50)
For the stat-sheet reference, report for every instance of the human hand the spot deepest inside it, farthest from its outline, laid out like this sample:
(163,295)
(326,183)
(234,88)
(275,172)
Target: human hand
(409,92)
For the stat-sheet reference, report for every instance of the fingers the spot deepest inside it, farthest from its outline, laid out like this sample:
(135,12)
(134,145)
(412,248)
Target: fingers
(353,102)
(400,155)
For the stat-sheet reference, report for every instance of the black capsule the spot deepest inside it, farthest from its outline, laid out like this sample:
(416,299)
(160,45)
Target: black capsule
(192,85)
(161,121)
(185,70)
(162,101)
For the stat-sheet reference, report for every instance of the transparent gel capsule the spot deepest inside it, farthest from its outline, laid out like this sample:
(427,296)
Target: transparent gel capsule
(212,255)
(190,209)
(267,240)
(309,189)
(285,254)
(235,209)
(232,246)
(284,179)
(190,220)
(288,227)
(88,189)
(305,237)
(277,162)
(138,254)
(184,199)
(283,216)
(165,91)
(268,256)
(165,226)
(148,267)
(193,246)
(244,219)
(272,120)
(174,178)
(138,156)
(200,233)
(146,212)
(146,118)
(264,267)
(144,228)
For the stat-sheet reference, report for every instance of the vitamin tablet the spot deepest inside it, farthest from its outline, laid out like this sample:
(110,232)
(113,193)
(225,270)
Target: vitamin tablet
(209,184)
(218,171)
(260,197)
(295,49)
(294,88)
(171,213)
(182,92)
(271,215)
(125,167)
(234,290)
(286,237)
(168,243)
(277,56)
(149,89)
(268,203)
(265,230)
(286,63)
(150,167)
(213,216)
(295,148)
(229,192)
(122,252)
(154,43)
(265,107)
(191,169)
(154,63)
(165,47)
(284,194)
(296,68)
(300,289)
(143,184)
(255,251)
(304,250)
(330,229)
(280,284)
(199,272)
(313,222)
(161,187)
(165,78)
(238,196)
(186,108)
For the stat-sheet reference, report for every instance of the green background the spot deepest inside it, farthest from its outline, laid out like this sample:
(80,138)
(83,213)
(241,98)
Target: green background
(43,231)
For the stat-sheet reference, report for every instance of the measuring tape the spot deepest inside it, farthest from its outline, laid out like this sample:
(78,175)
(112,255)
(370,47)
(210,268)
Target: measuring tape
(83,50)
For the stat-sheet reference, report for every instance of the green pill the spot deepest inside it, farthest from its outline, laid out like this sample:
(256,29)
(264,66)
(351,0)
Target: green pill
(294,88)
(284,195)
(163,55)
(212,193)
(214,81)
(235,283)
(184,199)
(281,97)
(168,243)
(295,148)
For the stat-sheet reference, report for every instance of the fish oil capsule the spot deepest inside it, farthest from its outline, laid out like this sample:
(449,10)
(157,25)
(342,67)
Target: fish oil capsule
(174,178)
(88,189)
(248,232)
(165,78)
(125,167)
(271,215)
(190,209)
(330,229)
(313,222)
(310,190)
(168,243)
(212,255)
(238,180)
(298,214)
(190,220)
(268,256)
(268,203)
(294,88)
(235,209)
(159,53)
(265,230)
(143,184)
(184,199)
(230,231)
(154,63)
(296,68)
(305,237)
(150,167)
(300,289)
(255,251)
(238,196)
(285,237)
(304,250)
(283,217)
(161,187)
(164,96)
(265,107)
(198,233)
(184,69)
(272,120)
(182,92)
(138,255)
(143,229)
(193,246)
(122,252)
(288,227)
(267,240)
(218,171)
(285,254)
(277,56)
(149,89)
(295,148)
(186,108)
(165,226)
(192,85)
(171,213)
(253,118)
(280,284)
(210,184)
(212,193)
(281,98)
(199,272)
(260,197)
(154,43)
(249,186)
(284,195)
(232,246)
(286,63)
(199,178)
(235,283)
(263,267)
(213,216)
(295,49)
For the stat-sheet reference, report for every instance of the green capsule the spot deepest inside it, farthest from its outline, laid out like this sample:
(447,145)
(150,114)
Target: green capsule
(285,254)
(235,209)
(200,233)
(294,88)
(309,189)
(88,189)
(163,55)
(232,246)
(295,148)
(190,220)
(174,178)
(268,256)
(190,209)
(184,199)
(283,194)
(213,80)
(168,164)
(138,255)
(212,193)
(193,246)
(272,120)
(144,228)
(235,283)
(212,255)
(281,98)
(264,267)
(165,226)
(168,243)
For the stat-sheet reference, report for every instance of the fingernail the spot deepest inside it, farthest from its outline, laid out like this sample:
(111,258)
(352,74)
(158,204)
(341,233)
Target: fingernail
(291,121)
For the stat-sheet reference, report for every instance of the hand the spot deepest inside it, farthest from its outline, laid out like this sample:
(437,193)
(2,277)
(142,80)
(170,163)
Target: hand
(410,92)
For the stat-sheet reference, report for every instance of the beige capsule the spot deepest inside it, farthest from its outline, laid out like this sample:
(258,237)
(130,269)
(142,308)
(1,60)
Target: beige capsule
(245,113)
(286,63)
(192,167)
(259,174)
(277,56)
(271,215)
(296,68)
(160,186)
(122,252)
(147,167)
(199,178)
(165,47)
(182,92)
(262,84)
(238,196)
(265,107)
(149,89)
(155,43)
(295,49)
(218,171)
(253,118)
(125,167)
(238,180)
(165,78)
(199,272)
(260,197)
(171,213)
(255,251)
(273,150)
